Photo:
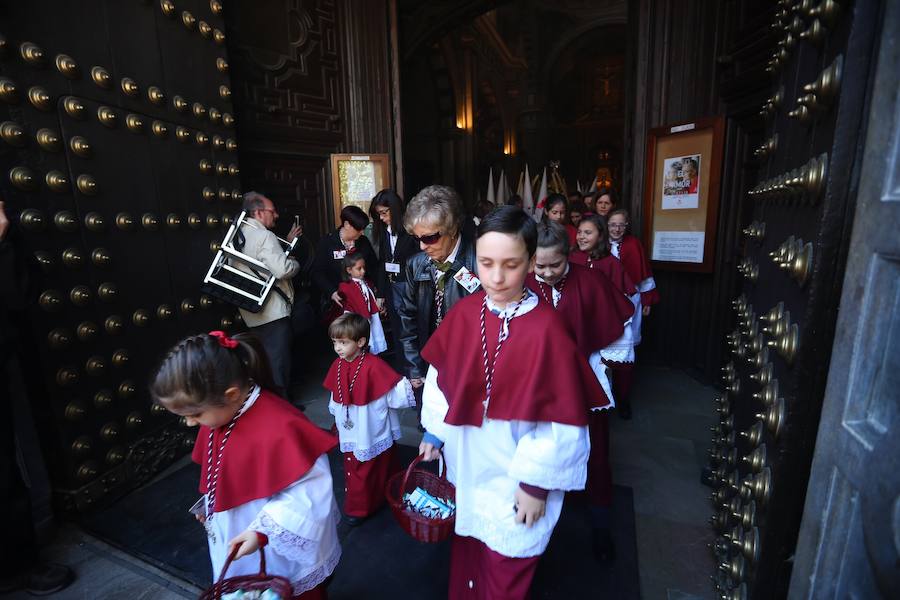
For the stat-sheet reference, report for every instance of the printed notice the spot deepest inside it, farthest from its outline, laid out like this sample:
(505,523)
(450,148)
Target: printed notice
(678,246)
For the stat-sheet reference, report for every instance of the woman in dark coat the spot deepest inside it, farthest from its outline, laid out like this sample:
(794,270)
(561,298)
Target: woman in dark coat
(394,247)
(346,239)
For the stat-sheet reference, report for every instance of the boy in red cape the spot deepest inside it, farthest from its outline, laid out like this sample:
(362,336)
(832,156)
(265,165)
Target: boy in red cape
(596,315)
(366,395)
(514,433)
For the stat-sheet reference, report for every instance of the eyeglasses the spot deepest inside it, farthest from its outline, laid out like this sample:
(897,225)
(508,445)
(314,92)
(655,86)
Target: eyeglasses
(618,225)
(271,210)
(429,239)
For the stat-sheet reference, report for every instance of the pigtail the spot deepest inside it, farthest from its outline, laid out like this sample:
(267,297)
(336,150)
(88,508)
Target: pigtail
(255,360)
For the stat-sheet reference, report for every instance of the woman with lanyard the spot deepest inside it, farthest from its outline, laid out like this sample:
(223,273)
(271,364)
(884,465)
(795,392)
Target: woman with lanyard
(328,265)
(394,247)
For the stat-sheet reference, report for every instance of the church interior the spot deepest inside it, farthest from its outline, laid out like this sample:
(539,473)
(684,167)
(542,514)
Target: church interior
(759,461)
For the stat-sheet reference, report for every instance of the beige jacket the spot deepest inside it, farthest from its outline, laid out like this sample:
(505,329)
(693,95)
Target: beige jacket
(261,244)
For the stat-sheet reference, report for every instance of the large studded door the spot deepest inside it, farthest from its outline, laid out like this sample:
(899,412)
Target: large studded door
(119,172)
(792,262)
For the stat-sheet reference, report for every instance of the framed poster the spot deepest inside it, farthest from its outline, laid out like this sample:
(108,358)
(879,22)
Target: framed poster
(355,179)
(681,196)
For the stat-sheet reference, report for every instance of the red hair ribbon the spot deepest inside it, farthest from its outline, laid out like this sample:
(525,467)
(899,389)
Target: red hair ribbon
(223,339)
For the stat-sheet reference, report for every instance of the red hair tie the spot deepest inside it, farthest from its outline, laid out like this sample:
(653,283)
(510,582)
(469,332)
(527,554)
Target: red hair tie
(223,339)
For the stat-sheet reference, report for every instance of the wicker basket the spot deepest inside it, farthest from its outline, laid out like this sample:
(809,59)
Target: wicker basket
(418,526)
(261,581)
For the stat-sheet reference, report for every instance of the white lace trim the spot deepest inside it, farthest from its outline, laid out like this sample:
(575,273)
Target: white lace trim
(318,575)
(364,454)
(516,542)
(556,477)
(620,354)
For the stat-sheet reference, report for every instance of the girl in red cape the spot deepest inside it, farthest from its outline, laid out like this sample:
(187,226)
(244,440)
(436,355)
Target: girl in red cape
(556,210)
(366,396)
(514,433)
(359,297)
(264,472)
(596,315)
(594,252)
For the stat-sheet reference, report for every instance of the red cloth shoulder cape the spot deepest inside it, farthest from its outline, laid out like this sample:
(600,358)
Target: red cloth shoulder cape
(540,375)
(376,378)
(633,258)
(354,301)
(271,446)
(572,231)
(610,266)
(591,307)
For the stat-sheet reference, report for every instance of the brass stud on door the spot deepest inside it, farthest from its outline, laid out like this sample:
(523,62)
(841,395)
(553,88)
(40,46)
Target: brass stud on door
(224,194)
(208,194)
(206,166)
(150,221)
(48,140)
(167,7)
(107,291)
(222,65)
(206,302)
(187,306)
(224,92)
(198,110)
(115,456)
(218,142)
(754,435)
(82,446)
(40,98)
(159,129)
(215,115)
(73,258)
(141,317)
(12,133)
(130,87)
(110,432)
(215,6)
(173,221)
(86,331)
(120,358)
(107,116)
(230,145)
(218,37)
(80,146)
(50,300)
(88,471)
(233,170)
(212,221)
(73,107)
(189,20)
(221,169)
(32,54)
(114,324)
(758,486)
(201,138)
(182,134)
(157,409)
(236,195)
(756,460)
(134,420)
(31,219)
(66,65)
(179,103)
(9,93)
(57,182)
(66,377)
(227,120)
(773,417)
(87,185)
(205,29)
(45,260)
(134,123)
(80,295)
(156,95)
(100,257)
(124,221)
(65,220)
(74,411)
(164,312)
(101,77)
(194,221)
(95,366)
(94,222)
(59,338)
(226,322)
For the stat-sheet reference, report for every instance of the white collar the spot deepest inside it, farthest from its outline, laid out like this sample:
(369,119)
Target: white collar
(527,304)
(251,399)
(452,256)
(541,279)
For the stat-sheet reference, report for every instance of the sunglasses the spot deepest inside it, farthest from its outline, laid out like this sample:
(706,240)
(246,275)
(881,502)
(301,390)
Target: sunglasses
(429,239)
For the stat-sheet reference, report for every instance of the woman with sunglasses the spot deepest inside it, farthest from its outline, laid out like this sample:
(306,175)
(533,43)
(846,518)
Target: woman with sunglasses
(395,246)
(437,277)
(327,268)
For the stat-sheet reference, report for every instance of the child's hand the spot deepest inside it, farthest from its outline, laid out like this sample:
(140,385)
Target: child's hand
(338,299)
(200,518)
(645,310)
(246,543)
(429,451)
(379,302)
(528,508)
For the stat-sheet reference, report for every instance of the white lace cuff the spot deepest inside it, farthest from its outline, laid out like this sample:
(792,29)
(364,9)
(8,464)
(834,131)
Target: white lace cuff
(283,542)
(364,454)
(401,396)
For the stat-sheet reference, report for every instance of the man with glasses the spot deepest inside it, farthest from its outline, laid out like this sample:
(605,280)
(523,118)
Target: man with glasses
(273,323)
(436,278)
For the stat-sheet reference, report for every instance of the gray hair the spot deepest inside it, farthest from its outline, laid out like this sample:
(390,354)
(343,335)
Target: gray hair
(437,205)
(253,201)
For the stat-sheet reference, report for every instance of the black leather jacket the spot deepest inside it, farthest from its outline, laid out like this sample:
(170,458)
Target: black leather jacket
(415,310)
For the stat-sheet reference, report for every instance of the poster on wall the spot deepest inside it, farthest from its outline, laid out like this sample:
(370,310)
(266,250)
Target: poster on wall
(681,182)
(681,202)
(356,178)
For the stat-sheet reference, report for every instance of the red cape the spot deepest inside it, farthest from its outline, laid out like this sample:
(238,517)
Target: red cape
(376,378)
(593,310)
(271,446)
(572,231)
(610,266)
(633,258)
(354,301)
(540,375)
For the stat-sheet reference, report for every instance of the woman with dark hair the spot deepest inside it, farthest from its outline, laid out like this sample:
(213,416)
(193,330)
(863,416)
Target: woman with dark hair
(346,239)
(394,246)
(606,201)
(557,211)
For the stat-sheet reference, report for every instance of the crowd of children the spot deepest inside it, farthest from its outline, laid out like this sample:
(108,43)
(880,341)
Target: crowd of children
(520,374)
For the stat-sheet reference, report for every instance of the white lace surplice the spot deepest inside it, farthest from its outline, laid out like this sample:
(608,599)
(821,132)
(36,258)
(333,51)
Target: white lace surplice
(301,524)
(376,425)
(487,464)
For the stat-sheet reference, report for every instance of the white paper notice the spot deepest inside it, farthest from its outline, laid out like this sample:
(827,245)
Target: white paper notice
(678,246)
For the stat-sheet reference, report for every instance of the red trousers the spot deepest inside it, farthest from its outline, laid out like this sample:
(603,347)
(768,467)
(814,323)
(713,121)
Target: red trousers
(317,593)
(479,573)
(599,478)
(622,374)
(366,483)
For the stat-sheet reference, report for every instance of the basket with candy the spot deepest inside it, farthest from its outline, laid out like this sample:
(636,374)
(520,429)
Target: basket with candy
(423,503)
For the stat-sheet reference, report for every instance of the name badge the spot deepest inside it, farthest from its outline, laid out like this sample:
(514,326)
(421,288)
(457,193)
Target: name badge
(467,279)
(392,267)
(339,254)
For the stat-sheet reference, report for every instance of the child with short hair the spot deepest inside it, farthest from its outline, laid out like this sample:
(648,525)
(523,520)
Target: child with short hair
(264,471)
(596,315)
(359,297)
(366,395)
(514,433)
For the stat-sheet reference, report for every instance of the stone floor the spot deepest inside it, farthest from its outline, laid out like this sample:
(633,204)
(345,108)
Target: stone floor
(659,454)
